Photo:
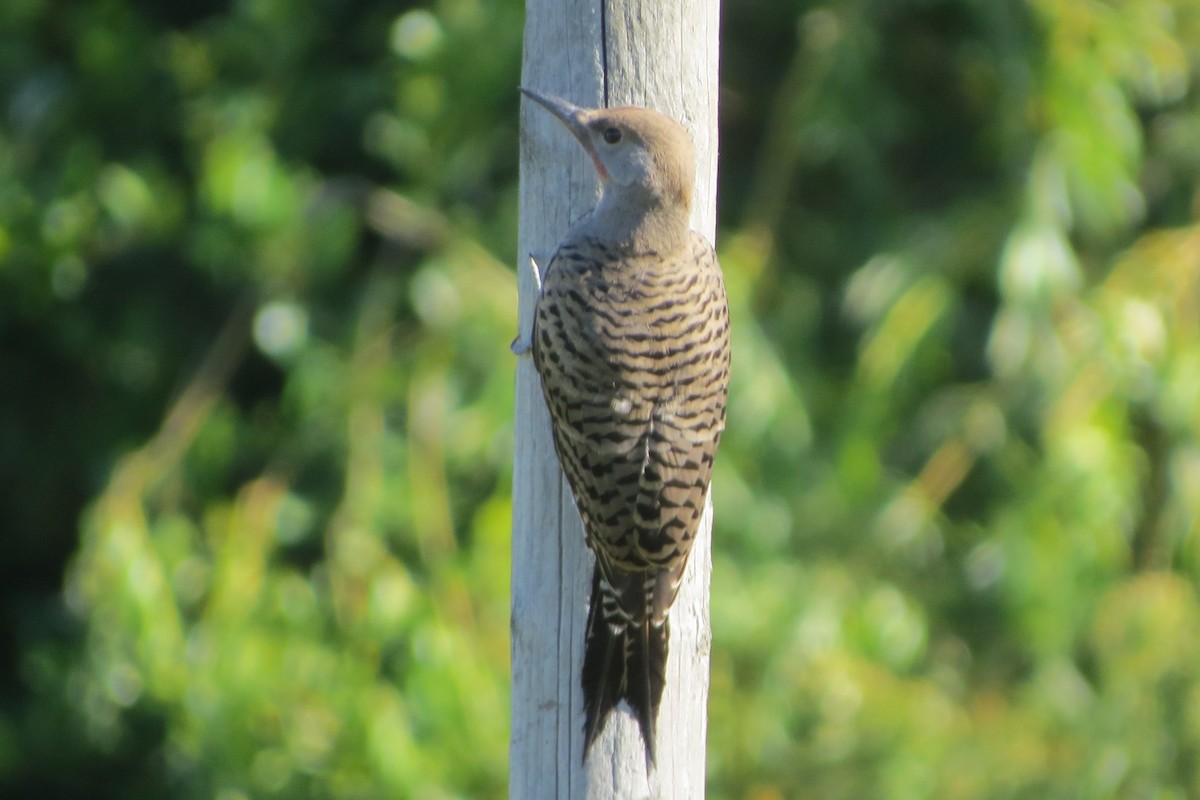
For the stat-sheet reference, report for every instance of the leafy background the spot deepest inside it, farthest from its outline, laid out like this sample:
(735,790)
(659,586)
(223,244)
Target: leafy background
(256,290)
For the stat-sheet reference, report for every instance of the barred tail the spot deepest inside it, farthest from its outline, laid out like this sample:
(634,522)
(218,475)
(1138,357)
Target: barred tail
(623,659)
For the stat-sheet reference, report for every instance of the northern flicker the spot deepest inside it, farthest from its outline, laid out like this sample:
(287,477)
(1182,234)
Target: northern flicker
(631,339)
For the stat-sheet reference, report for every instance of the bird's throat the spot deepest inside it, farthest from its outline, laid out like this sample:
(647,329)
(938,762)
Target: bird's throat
(634,225)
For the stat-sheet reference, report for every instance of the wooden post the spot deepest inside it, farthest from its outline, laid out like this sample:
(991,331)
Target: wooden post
(661,54)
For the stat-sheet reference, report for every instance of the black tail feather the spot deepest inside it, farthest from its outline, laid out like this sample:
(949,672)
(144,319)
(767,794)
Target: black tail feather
(622,661)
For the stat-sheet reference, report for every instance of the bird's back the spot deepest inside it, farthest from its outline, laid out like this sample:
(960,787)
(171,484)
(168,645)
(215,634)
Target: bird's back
(634,357)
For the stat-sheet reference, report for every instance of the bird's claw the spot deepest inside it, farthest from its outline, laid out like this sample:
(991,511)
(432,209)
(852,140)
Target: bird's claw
(524,341)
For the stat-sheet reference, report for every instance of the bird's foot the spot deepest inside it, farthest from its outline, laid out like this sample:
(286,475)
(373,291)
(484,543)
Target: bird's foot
(523,342)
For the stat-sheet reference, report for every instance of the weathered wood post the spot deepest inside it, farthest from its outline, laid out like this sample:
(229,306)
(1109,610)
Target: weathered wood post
(661,54)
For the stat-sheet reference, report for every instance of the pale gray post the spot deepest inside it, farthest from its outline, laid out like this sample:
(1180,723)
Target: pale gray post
(661,54)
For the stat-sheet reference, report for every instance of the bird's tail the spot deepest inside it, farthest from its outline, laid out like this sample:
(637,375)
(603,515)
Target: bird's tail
(624,658)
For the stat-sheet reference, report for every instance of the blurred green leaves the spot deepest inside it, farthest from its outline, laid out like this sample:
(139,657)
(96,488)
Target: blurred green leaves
(992,458)
(296,561)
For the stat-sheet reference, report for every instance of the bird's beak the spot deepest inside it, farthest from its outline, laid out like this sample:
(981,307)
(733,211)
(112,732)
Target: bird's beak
(573,119)
(570,115)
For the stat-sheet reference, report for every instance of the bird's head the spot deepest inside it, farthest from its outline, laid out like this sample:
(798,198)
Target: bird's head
(640,155)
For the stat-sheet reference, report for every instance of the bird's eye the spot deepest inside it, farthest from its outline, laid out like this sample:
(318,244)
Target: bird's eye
(612,135)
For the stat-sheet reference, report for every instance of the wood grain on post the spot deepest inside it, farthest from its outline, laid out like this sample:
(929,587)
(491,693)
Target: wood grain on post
(661,54)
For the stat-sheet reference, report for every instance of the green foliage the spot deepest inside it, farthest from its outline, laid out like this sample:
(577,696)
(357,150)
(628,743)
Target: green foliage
(975,556)
(256,293)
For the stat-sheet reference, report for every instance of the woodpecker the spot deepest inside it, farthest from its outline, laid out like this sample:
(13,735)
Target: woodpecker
(631,340)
